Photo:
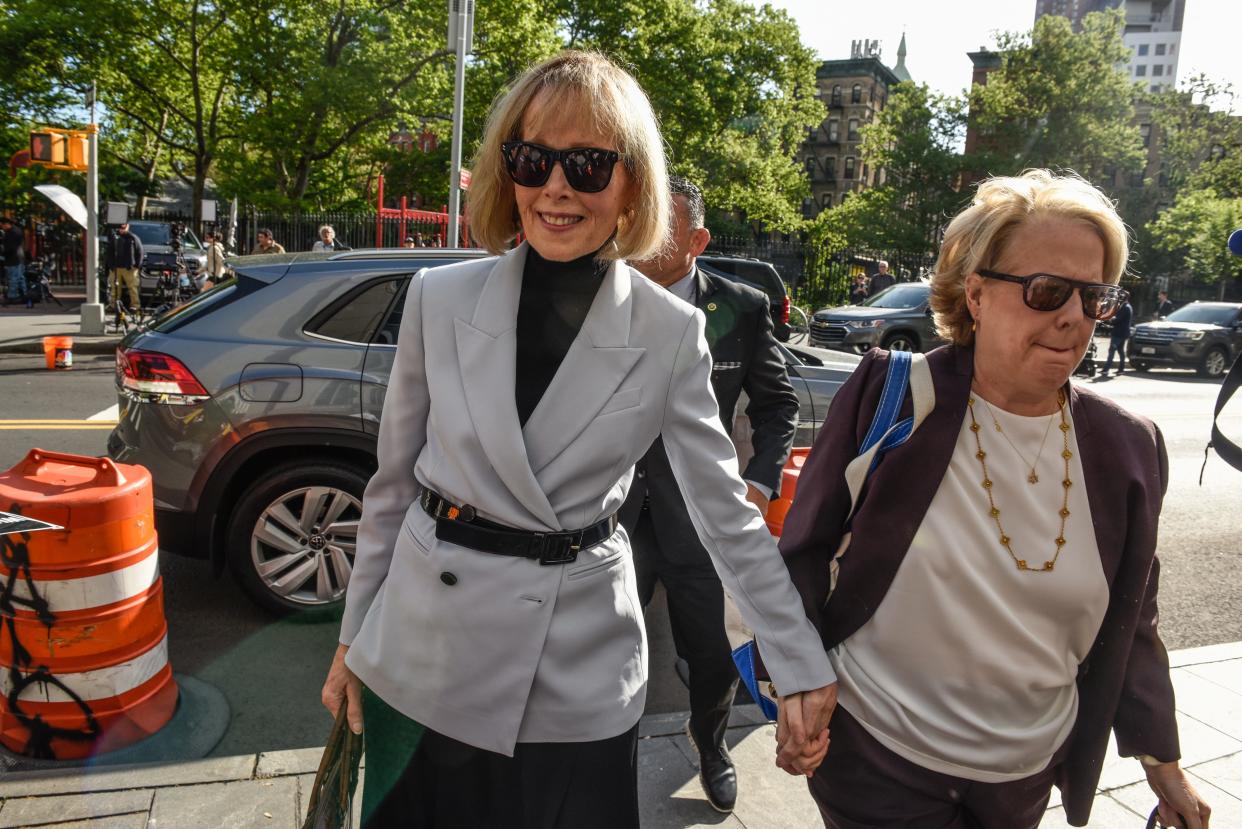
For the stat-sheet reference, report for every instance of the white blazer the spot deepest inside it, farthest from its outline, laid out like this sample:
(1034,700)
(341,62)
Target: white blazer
(493,650)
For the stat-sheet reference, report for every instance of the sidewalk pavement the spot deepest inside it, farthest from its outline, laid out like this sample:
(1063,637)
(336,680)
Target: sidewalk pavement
(272,789)
(22,330)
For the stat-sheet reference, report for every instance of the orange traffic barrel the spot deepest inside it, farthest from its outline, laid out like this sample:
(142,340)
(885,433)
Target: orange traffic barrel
(84,662)
(58,352)
(779,506)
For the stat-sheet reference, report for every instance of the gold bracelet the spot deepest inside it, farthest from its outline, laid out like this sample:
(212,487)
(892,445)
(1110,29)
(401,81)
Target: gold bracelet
(772,690)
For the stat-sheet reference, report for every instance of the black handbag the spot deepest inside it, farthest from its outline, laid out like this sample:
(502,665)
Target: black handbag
(333,792)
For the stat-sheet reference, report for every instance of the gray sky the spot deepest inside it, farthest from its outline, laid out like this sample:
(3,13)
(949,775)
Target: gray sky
(938,40)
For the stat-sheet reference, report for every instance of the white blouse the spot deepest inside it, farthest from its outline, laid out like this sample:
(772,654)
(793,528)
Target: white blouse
(968,666)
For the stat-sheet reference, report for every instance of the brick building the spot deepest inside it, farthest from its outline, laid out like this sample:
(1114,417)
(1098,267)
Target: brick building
(853,90)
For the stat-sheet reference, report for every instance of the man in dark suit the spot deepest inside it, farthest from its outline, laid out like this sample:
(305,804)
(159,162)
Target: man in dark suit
(882,279)
(746,358)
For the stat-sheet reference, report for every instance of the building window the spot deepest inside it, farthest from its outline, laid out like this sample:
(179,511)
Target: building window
(830,166)
(1142,50)
(836,96)
(1159,48)
(834,130)
(1141,70)
(856,94)
(1158,69)
(1155,87)
(1145,131)
(849,167)
(852,134)
(1172,48)
(845,196)
(827,200)
(810,165)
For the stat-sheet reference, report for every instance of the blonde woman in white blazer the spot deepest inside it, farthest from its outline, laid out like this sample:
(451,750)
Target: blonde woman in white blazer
(498,657)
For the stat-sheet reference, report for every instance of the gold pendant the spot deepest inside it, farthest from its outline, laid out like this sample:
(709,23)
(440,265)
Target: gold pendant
(1032,478)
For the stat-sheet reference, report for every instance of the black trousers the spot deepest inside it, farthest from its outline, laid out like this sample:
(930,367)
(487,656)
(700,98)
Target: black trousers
(861,785)
(696,614)
(417,778)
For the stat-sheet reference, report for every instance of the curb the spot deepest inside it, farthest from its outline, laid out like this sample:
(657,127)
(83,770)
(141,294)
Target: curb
(81,345)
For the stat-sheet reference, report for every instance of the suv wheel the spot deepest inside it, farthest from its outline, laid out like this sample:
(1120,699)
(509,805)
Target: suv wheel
(1140,365)
(1214,362)
(293,534)
(901,341)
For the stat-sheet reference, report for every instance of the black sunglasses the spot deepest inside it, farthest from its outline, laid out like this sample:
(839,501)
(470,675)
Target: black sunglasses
(1047,292)
(587,169)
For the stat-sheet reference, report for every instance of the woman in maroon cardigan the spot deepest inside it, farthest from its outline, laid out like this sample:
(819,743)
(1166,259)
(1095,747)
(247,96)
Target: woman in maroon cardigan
(994,613)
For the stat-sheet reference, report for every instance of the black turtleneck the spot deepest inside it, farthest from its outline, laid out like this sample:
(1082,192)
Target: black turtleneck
(555,299)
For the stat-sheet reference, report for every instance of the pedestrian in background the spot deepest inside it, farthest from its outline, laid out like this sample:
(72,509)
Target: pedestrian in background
(215,260)
(267,243)
(1164,306)
(409,242)
(858,294)
(882,279)
(125,264)
(993,616)
(492,612)
(745,357)
(1118,338)
(328,241)
(13,250)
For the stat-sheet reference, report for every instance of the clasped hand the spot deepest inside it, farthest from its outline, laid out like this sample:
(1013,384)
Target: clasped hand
(802,729)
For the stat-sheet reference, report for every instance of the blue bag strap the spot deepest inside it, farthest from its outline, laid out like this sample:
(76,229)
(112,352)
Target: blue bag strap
(895,385)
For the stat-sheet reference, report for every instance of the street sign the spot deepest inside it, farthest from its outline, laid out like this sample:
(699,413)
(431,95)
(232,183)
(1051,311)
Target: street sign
(11,524)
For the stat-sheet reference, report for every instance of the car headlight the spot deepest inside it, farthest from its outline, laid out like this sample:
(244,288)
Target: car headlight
(867,323)
(1191,336)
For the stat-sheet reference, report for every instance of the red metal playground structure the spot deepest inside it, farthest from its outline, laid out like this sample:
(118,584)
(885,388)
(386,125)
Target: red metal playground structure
(405,214)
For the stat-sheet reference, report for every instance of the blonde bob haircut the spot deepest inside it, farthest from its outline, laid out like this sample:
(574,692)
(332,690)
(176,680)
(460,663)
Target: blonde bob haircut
(588,86)
(977,236)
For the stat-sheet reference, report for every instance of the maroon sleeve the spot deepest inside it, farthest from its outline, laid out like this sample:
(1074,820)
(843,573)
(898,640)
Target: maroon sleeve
(821,505)
(1145,722)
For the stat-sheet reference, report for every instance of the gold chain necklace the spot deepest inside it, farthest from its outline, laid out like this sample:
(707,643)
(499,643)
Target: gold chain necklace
(1032,478)
(994,511)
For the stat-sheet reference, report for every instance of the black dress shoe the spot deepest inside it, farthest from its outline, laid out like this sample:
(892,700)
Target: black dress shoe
(717,775)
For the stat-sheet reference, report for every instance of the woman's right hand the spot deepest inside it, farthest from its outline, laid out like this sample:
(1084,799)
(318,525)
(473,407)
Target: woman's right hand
(342,686)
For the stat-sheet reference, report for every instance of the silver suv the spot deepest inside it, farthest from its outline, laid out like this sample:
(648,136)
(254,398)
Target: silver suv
(256,407)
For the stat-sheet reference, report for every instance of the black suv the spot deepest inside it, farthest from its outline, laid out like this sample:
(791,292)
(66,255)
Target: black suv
(757,274)
(1206,336)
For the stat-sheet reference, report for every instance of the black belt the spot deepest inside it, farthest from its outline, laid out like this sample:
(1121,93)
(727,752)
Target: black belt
(462,526)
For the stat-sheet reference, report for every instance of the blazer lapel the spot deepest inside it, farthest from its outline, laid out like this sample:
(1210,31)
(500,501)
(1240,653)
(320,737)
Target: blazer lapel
(598,360)
(487,358)
(1099,469)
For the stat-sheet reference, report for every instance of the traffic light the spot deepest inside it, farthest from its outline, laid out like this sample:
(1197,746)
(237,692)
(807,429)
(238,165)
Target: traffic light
(49,147)
(60,149)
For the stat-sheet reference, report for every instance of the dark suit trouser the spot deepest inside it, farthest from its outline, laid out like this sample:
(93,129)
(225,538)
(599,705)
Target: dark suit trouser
(696,615)
(861,784)
(1117,347)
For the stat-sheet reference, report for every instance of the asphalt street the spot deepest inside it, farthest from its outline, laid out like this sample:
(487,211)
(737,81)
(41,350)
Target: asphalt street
(270,669)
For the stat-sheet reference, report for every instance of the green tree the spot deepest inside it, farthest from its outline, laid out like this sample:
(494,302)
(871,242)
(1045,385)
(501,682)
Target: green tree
(912,147)
(1195,230)
(732,84)
(1061,100)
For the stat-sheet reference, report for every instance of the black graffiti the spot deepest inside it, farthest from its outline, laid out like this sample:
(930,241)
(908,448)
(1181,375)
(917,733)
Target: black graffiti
(15,558)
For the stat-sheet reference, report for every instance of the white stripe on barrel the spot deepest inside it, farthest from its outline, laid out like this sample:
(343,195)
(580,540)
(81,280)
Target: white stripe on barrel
(64,596)
(96,685)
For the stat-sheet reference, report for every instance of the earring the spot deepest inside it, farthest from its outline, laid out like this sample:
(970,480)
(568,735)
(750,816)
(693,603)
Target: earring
(973,326)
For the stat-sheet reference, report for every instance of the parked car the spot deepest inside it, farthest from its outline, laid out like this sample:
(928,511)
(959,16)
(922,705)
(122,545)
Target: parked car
(1205,336)
(158,254)
(897,318)
(256,407)
(757,274)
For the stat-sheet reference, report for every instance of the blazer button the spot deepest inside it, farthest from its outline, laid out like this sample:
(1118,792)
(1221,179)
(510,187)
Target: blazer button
(448,578)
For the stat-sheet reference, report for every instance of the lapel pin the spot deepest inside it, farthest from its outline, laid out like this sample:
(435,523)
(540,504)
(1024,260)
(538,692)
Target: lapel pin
(711,306)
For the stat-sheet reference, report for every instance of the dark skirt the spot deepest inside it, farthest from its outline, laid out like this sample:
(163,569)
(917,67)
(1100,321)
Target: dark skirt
(417,778)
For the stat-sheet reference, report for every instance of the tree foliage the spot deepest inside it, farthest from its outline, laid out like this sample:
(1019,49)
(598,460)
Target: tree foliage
(1196,229)
(1060,99)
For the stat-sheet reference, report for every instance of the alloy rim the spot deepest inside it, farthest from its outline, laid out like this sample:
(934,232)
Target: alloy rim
(1215,363)
(303,545)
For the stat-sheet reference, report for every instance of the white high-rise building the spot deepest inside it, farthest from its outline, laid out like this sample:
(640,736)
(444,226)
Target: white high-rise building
(1154,35)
